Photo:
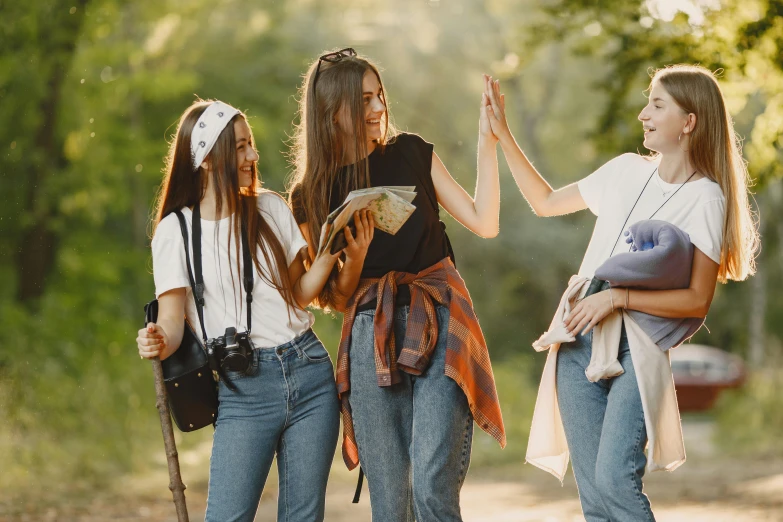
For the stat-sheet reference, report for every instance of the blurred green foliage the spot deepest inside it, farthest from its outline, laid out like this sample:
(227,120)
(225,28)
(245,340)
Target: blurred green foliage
(749,420)
(91,90)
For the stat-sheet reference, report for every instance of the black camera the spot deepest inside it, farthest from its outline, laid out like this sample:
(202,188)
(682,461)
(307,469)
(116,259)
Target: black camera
(233,351)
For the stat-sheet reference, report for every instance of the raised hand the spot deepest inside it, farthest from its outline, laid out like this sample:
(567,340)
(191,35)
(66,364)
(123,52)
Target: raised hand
(496,111)
(485,128)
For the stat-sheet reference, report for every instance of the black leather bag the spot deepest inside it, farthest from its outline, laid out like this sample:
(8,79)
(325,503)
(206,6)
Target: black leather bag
(190,384)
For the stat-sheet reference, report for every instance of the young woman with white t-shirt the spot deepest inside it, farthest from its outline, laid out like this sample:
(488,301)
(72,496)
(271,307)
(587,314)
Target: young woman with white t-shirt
(697,181)
(285,404)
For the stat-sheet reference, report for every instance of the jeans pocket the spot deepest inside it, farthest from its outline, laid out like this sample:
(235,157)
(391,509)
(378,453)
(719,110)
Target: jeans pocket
(315,352)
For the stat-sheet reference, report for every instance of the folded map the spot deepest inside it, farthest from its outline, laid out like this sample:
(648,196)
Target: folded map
(390,206)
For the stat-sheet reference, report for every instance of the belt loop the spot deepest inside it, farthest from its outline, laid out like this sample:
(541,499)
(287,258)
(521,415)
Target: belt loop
(297,346)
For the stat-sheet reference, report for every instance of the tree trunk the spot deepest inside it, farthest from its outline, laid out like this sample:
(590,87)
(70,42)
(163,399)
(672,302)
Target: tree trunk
(37,247)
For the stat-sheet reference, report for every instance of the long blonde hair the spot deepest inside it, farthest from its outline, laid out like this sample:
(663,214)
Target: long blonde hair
(319,149)
(715,151)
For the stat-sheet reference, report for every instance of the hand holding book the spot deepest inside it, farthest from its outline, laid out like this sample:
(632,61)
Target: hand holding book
(390,208)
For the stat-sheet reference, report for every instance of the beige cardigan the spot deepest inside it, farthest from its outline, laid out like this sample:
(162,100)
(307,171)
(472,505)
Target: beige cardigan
(547,448)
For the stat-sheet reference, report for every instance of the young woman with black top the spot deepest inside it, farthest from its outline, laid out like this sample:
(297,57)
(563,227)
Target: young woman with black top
(413,369)
(284,405)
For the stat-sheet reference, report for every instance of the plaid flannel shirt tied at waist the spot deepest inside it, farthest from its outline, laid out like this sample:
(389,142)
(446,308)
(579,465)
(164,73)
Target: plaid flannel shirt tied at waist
(467,357)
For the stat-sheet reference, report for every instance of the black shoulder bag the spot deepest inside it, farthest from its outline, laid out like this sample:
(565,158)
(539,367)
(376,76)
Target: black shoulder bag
(190,384)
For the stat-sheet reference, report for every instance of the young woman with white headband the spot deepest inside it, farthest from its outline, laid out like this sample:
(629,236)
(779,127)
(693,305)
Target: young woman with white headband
(697,181)
(285,403)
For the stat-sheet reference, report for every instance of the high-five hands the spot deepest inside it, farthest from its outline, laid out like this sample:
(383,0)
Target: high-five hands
(494,105)
(485,127)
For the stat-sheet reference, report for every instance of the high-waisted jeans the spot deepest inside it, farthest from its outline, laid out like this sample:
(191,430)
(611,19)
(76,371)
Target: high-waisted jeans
(606,434)
(414,437)
(286,406)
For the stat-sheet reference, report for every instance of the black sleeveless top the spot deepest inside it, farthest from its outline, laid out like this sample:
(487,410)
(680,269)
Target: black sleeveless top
(421,241)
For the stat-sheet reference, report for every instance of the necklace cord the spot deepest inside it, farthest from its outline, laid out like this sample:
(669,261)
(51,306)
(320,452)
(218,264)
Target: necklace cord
(656,210)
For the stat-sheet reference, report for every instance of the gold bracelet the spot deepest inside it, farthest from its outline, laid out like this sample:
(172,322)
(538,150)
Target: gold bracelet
(611,300)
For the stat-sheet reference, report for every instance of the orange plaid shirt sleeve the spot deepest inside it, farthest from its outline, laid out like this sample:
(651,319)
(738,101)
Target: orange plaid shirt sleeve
(467,360)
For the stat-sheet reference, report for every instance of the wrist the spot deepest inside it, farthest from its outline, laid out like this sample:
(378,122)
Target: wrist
(326,260)
(506,140)
(488,142)
(357,260)
(618,295)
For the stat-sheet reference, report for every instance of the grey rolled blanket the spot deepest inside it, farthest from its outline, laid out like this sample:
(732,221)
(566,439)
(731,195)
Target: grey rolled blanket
(661,258)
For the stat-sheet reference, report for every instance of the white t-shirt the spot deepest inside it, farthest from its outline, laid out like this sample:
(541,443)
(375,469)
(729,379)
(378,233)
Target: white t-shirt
(698,208)
(224,294)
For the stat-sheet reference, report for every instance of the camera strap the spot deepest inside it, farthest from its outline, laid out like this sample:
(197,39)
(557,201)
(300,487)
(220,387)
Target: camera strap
(656,210)
(247,276)
(199,303)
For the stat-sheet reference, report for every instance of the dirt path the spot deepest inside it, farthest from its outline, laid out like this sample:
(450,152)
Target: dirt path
(705,489)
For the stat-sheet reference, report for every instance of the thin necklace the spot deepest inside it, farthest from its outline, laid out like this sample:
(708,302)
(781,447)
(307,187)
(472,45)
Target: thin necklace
(656,210)
(664,193)
(658,182)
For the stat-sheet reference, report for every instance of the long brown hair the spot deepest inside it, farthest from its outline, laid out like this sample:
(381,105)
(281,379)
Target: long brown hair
(715,151)
(184,187)
(321,148)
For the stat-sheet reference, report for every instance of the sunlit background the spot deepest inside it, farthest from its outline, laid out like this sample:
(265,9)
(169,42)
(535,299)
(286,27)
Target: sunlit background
(90,91)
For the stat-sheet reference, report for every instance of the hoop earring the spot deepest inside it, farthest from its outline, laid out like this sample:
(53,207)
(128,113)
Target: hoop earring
(678,143)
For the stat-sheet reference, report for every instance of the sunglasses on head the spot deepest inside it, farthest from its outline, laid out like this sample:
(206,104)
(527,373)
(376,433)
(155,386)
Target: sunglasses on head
(332,58)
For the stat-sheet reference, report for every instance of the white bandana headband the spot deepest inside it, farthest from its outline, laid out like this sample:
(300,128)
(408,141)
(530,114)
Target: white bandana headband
(207,129)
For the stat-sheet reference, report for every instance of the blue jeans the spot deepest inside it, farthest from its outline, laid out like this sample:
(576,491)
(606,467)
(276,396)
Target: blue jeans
(606,434)
(287,405)
(414,437)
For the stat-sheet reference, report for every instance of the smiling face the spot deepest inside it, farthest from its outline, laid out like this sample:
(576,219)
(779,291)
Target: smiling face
(246,153)
(374,106)
(374,109)
(666,125)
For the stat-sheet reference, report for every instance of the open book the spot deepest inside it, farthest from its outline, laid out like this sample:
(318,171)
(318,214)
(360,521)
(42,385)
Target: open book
(390,206)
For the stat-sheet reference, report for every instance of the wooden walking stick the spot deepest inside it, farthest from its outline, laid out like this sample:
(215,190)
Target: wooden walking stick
(175,478)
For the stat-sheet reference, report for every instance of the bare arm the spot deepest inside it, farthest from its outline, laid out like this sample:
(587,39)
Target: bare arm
(355,252)
(347,282)
(350,272)
(307,284)
(539,194)
(693,301)
(479,214)
(161,339)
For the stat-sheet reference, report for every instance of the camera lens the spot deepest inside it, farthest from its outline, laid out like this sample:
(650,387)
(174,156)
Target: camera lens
(235,362)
